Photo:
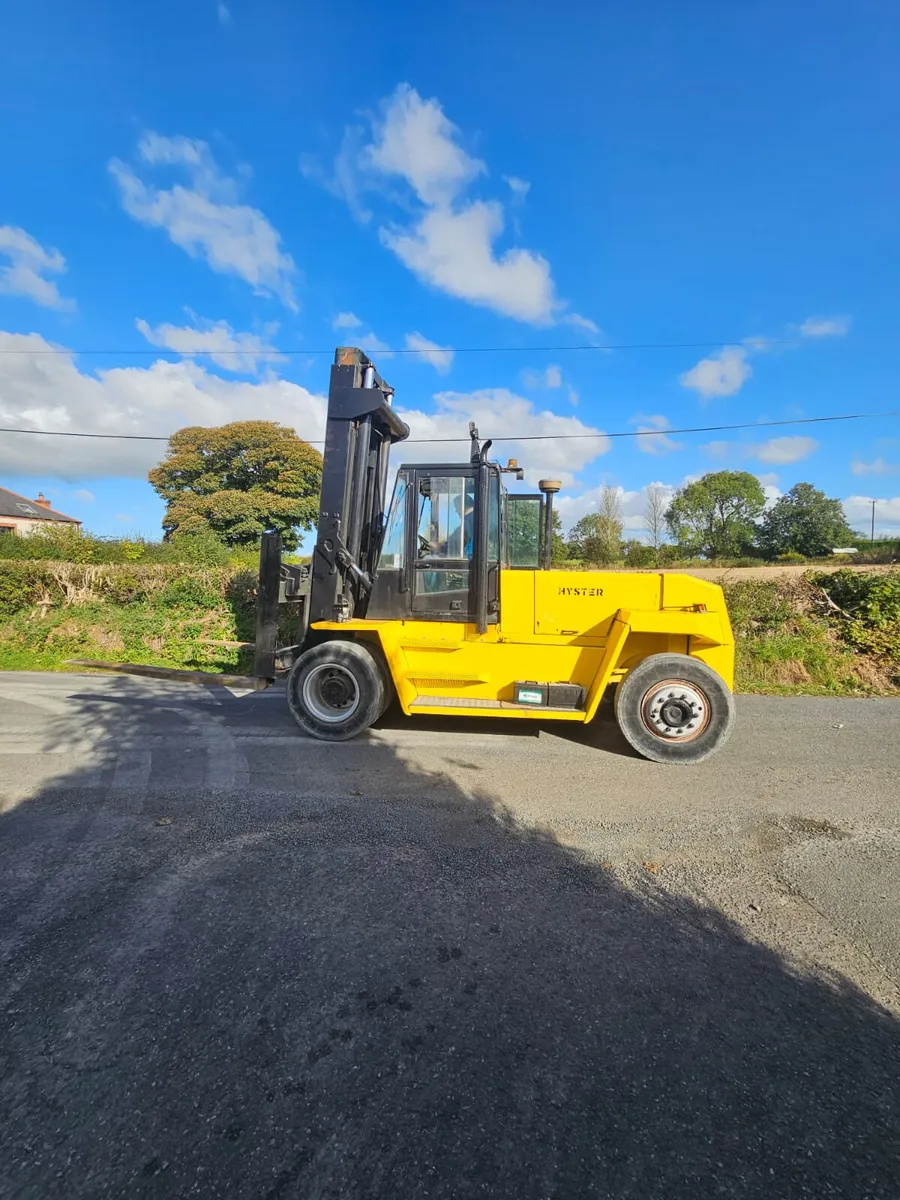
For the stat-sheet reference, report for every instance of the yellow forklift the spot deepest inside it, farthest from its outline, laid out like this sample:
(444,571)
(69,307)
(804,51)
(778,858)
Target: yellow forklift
(447,602)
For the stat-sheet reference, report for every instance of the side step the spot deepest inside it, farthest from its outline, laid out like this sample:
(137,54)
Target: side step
(463,702)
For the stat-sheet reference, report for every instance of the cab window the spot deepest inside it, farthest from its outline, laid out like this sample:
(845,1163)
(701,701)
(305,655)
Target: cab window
(446,526)
(393,548)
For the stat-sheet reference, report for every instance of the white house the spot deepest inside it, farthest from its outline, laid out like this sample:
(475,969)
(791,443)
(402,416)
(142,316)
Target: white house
(20,515)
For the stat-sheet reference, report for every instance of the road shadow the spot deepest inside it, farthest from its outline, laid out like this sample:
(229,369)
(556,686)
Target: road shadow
(264,995)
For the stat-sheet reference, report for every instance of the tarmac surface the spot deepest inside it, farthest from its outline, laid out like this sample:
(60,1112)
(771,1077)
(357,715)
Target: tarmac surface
(449,959)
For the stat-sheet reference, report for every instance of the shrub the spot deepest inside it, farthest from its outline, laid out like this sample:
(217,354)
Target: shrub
(791,556)
(202,548)
(639,554)
(868,609)
(195,591)
(22,584)
(758,606)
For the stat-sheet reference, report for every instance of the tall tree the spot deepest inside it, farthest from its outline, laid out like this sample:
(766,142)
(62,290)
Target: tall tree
(597,537)
(716,516)
(610,523)
(239,480)
(805,521)
(655,513)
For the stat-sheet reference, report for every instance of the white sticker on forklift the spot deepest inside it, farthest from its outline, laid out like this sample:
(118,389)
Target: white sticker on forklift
(530,697)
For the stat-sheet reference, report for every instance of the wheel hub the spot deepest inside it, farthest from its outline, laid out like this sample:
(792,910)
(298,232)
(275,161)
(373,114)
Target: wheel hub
(675,710)
(335,691)
(330,693)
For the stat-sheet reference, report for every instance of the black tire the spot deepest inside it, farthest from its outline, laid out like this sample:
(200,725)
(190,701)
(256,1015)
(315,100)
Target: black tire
(674,709)
(336,690)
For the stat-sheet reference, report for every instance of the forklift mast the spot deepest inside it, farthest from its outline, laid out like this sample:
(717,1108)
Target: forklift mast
(360,429)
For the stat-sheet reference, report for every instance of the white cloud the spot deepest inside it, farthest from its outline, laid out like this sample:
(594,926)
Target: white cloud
(48,391)
(440,357)
(29,262)
(372,344)
(241,353)
(760,345)
(579,322)
(453,251)
(784,450)
(344,179)
(572,508)
(877,467)
(450,243)
(124,519)
(346,320)
(550,377)
(205,218)
(414,139)
(779,451)
(822,327)
(887,514)
(573,397)
(721,375)
(497,411)
(85,496)
(655,440)
(519,187)
(725,373)
(768,479)
(223,14)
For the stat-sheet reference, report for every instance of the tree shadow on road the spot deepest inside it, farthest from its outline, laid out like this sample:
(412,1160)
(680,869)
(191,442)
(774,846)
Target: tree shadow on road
(283,995)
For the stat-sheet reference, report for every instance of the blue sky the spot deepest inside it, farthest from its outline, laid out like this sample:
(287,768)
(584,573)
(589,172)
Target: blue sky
(260,178)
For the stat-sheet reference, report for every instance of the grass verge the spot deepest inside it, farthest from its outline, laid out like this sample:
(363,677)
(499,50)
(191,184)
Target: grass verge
(829,635)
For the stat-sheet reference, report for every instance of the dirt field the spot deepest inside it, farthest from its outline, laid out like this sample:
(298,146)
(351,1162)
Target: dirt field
(771,572)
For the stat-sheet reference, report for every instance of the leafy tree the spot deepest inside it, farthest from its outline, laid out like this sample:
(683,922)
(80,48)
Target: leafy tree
(639,554)
(597,537)
(559,551)
(239,480)
(526,532)
(716,516)
(805,521)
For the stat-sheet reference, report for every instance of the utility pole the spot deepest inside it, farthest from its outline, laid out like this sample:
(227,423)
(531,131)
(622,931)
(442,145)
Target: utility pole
(874,502)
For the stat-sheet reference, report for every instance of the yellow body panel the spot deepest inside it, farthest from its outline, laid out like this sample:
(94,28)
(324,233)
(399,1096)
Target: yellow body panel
(587,628)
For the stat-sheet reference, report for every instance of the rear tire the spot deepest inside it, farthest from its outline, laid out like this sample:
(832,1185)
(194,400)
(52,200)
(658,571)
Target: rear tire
(336,690)
(674,709)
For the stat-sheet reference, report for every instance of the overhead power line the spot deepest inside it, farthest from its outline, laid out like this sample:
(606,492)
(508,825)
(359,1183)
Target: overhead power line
(272,351)
(526,437)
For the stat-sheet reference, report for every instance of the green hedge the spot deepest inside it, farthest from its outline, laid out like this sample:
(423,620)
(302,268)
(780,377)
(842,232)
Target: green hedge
(822,632)
(833,633)
(67,544)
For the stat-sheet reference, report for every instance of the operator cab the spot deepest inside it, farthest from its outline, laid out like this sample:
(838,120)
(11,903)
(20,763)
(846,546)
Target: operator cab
(427,565)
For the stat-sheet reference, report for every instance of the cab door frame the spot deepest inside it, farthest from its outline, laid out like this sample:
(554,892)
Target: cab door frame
(484,562)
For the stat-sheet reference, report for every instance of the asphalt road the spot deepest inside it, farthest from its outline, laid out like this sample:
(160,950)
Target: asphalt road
(446,960)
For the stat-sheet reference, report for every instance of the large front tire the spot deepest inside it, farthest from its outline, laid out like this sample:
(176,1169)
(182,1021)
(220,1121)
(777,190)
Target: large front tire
(336,690)
(674,709)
